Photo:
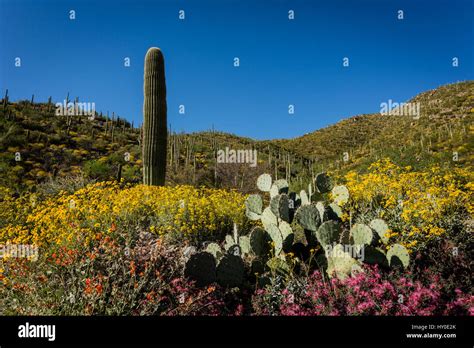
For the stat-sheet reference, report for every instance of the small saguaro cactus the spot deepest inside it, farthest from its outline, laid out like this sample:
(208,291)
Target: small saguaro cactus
(155,130)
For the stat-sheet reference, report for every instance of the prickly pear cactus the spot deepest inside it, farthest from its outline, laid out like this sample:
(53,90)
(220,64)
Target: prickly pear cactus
(201,267)
(229,241)
(299,236)
(276,237)
(323,183)
(398,255)
(322,210)
(215,250)
(274,191)
(328,233)
(334,211)
(304,198)
(340,194)
(282,185)
(381,228)
(340,263)
(257,267)
(287,234)
(244,243)
(308,217)
(295,200)
(268,218)
(235,250)
(279,205)
(373,255)
(260,242)
(253,207)
(362,234)
(230,271)
(264,182)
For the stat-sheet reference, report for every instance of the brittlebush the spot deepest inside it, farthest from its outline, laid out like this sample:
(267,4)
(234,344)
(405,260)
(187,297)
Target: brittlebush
(185,211)
(416,205)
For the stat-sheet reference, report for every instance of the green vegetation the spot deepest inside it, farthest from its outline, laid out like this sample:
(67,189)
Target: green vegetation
(52,147)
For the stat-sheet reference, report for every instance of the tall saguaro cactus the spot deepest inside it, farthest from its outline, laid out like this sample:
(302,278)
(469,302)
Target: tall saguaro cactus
(154,119)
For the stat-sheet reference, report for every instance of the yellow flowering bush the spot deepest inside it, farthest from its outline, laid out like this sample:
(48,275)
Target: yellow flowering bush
(415,204)
(96,209)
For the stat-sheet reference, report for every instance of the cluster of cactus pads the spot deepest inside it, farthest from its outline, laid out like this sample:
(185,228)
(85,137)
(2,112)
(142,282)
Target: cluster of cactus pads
(226,266)
(290,222)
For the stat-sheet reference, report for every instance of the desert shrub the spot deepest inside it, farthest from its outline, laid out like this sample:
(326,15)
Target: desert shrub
(98,170)
(68,184)
(417,206)
(109,278)
(131,173)
(451,256)
(181,212)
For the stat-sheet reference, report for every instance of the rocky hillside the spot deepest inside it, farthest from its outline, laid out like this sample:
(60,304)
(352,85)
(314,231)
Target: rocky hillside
(37,147)
(443,128)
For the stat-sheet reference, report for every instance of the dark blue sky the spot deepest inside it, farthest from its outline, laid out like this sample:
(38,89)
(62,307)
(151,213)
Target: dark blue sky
(282,62)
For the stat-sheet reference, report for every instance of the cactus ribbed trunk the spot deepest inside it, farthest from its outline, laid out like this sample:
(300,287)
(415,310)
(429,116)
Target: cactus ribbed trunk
(154,119)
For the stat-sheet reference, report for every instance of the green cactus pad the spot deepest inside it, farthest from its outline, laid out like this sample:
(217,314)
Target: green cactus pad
(335,211)
(201,267)
(244,243)
(381,228)
(340,194)
(287,234)
(398,255)
(362,234)
(285,229)
(276,237)
(215,250)
(268,218)
(297,200)
(282,185)
(230,271)
(252,216)
(292,196)
(323,183)
(257,267)
(279,205)
(264,182)
(304,198)
(253,204)
(299,236)
(321,210)
(259,242)
(308,217)
(328,233)
(235,250)
(374,255)
(229,241)
(275,205)
(274,191)
(340,263)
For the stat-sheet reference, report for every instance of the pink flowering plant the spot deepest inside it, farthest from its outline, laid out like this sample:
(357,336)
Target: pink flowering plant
(370,292)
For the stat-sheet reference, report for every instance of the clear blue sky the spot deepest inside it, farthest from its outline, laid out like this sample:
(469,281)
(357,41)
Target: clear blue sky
(282,62)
